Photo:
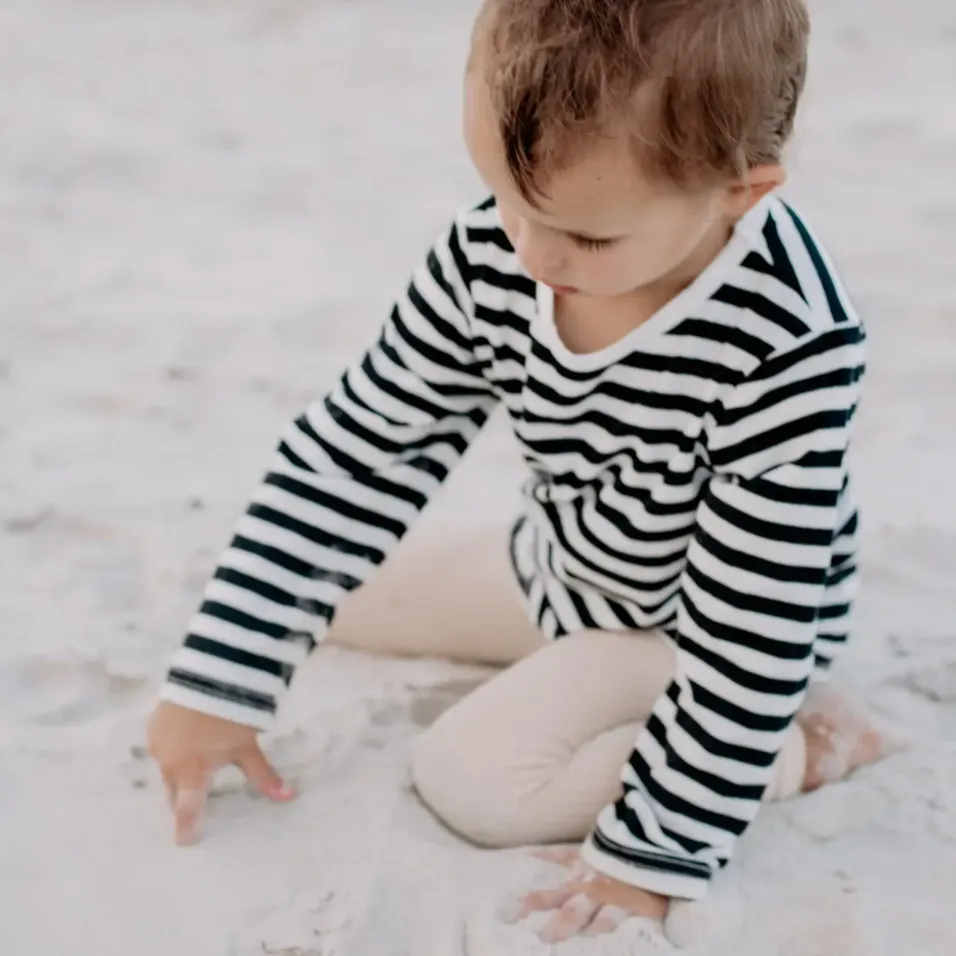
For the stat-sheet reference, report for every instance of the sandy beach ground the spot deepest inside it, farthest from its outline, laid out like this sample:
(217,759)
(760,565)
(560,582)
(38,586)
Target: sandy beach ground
(206,208)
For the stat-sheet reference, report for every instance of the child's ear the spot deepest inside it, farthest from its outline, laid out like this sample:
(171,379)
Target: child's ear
(744,194)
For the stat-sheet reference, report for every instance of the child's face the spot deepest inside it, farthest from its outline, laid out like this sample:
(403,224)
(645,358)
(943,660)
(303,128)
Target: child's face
(603,229)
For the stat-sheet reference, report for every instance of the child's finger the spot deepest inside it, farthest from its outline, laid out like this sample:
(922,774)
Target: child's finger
(574,916)
(170,790)
(539,901)
(188,805)
(260,773)
(608,919)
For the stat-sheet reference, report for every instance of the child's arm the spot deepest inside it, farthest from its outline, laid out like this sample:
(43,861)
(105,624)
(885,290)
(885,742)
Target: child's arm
(756,578)
(349,476)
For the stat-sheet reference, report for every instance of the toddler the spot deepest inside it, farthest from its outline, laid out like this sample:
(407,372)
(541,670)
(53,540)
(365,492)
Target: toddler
(680,365)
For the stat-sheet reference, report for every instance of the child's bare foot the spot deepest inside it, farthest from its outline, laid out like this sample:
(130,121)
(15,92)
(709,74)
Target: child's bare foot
(840,736)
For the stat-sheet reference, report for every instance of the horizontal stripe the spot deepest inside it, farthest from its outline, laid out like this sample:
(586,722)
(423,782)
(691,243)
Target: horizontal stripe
(232,693)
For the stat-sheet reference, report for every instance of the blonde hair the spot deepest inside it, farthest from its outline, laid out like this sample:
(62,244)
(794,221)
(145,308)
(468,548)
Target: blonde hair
(705,89)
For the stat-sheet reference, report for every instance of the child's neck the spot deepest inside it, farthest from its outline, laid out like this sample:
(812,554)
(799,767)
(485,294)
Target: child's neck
(670,285)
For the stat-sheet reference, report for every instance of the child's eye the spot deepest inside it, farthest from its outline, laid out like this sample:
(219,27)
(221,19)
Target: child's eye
(593,245)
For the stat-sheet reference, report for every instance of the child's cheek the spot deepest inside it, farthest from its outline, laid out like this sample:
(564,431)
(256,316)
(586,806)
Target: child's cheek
(623,268)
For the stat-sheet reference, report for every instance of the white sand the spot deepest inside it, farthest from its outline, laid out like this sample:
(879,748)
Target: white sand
(205,210)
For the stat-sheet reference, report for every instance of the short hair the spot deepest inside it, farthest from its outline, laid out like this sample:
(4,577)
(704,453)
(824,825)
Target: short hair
(705,89)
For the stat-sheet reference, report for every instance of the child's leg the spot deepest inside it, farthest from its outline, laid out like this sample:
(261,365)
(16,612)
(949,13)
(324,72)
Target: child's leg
(534,755)
(447,591)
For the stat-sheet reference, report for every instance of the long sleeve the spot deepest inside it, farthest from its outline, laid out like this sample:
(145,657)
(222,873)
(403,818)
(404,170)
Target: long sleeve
(347,479)
(768,561)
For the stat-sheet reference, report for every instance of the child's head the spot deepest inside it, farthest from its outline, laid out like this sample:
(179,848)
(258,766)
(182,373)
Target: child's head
(620,135)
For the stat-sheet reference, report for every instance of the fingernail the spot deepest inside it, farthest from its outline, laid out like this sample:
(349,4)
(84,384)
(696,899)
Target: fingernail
(283,791)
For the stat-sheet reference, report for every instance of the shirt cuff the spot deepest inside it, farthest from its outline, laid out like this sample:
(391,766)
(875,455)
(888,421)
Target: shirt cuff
(654,872)
(194,696)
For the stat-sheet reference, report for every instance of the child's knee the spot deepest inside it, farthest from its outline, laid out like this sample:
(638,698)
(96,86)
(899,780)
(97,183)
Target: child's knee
(460,789)
(497,796)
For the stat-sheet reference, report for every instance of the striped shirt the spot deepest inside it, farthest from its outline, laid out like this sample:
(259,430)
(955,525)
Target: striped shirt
(691,477)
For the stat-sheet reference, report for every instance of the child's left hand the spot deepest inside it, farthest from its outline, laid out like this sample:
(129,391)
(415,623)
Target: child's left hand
(587,902)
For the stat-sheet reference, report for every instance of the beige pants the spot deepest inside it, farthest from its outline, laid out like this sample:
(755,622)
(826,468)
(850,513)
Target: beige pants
(536,752)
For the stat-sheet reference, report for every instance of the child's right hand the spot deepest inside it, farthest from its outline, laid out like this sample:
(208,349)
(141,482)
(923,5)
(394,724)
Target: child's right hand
(190,747)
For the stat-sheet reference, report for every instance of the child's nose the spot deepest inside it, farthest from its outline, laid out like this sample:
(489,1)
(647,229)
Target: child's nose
(539,253)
